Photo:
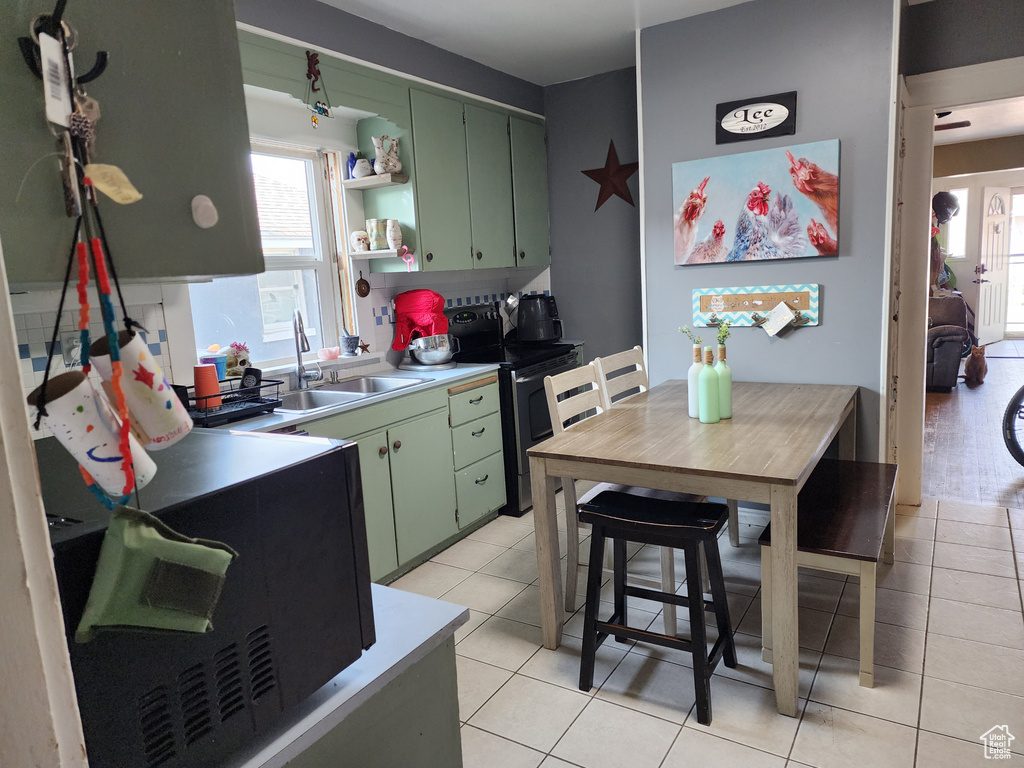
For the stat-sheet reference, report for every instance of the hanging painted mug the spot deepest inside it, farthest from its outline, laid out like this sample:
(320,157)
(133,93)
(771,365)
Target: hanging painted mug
(85,424)
(377,230)
(155,408)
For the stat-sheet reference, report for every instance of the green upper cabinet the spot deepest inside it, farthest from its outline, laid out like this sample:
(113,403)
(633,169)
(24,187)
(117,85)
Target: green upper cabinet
(173,119)
(442,182)
(530,192)
(490,187)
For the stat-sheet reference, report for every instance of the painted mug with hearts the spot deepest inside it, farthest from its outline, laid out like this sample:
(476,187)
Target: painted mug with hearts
(84,422)
(154,406)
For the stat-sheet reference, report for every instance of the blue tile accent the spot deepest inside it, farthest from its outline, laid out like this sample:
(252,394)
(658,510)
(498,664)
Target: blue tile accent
(23,352)
(154,349)
(379,320)
(163,336)
(547,293)
(458,302)
(385,311)
(477,300)
(449,302)
(374,311)
(143,335)
(56,348)
(38,364)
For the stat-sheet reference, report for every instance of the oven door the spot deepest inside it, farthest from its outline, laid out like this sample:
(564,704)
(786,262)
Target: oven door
(530,406)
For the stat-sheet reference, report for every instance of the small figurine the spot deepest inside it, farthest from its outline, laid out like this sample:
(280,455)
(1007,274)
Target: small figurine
(238,358)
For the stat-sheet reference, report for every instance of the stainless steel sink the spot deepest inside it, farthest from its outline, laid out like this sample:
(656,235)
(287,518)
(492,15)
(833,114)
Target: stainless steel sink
(372,385)
(306,400)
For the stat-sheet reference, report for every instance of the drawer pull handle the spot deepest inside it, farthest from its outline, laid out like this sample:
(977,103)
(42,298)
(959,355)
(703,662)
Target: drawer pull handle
(396,445)
(478,432)
(382,451)
(482,480)
(476,400)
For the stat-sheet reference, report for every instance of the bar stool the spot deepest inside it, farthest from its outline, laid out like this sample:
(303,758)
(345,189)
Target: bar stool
(622,518)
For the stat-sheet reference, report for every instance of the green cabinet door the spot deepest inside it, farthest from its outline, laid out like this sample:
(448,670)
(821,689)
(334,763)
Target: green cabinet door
(442,182)
(530,192)
(172,118)
(375,469)
(490,187)
(422,484)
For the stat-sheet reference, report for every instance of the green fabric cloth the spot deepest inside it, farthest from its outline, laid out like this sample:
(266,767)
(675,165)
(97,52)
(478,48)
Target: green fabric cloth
(150,577)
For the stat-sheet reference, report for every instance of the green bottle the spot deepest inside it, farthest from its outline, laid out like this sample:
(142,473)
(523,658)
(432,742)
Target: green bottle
(724,384)
(707,385)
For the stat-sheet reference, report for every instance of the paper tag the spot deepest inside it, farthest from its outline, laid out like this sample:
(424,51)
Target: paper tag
(111,181)
(778,318)
(56,88)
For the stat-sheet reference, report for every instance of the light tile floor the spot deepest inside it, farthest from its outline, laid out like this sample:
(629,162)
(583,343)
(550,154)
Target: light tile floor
(949,652)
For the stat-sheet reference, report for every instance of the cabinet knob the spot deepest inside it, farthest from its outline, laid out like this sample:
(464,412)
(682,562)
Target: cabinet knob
(383,451)
(430,257)
(482,480)
(522,254)
(396,445)
(478,432)
(479,255)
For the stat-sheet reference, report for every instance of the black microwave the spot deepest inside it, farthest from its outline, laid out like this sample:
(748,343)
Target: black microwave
(295,608)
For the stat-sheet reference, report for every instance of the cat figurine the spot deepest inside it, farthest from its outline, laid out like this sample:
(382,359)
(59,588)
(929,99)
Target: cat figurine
(975,368)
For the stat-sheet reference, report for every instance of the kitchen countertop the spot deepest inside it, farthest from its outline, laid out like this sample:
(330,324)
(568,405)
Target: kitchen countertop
(408,627)
(270,422)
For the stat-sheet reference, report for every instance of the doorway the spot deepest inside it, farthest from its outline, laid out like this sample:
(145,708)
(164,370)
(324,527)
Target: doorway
(922,97)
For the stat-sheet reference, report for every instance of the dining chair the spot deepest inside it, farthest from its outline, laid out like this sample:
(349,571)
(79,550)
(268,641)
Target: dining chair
(572,397)
(624,374)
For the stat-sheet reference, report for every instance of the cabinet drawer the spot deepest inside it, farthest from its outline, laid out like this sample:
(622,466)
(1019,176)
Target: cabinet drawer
(479,438)
(473,403)
(480,488)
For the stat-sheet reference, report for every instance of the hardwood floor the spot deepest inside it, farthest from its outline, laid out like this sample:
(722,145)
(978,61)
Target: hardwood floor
(964,455)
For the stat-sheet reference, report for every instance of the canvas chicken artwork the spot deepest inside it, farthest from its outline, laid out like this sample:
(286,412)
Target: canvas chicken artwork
(757,206)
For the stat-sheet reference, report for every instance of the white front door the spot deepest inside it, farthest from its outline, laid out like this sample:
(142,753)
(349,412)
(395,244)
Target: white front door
(992,270)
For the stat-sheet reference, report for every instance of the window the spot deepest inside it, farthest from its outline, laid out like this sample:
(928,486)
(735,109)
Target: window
(1015,289)
(955,239)
(293,200)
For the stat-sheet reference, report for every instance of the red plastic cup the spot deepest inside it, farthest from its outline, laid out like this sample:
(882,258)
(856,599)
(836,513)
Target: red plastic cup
(207,386)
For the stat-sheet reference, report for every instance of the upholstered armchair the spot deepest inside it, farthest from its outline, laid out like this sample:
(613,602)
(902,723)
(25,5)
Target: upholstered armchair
(948,339)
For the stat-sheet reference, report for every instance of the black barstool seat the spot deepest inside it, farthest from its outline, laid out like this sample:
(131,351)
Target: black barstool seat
(625,517)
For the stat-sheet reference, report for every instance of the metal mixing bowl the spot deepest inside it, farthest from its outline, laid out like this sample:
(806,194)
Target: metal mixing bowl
(434,350)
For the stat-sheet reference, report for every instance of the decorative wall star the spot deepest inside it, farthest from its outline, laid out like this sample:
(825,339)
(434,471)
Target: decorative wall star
(613,177)
(364,346)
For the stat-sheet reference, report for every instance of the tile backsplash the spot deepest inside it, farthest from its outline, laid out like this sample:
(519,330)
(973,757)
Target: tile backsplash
(35,329)
(376,313)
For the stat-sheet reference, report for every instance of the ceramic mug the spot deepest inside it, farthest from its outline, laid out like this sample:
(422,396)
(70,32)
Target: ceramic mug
(155,408)
(85,424)
(394,234)
(359,240)
(377,229)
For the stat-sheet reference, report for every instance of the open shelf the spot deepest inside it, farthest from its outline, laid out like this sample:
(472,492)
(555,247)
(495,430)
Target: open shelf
(374,254)
(370,182)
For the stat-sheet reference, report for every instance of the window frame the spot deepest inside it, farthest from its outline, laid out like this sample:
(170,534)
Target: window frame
(326,265)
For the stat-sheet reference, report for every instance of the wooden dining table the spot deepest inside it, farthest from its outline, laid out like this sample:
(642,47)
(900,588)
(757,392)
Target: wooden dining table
(764,453)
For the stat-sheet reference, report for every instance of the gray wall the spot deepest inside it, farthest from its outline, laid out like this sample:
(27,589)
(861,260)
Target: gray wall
(595,255)
(837,56)
(943,34)
(336,30)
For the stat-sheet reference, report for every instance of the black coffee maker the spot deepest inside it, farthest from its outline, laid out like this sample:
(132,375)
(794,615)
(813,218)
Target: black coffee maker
(537,319)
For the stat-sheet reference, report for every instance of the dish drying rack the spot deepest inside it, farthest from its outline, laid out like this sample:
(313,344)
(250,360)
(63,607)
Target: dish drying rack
(237,402)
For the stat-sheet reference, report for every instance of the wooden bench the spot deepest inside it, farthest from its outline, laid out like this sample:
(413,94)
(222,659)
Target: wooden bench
(845,524)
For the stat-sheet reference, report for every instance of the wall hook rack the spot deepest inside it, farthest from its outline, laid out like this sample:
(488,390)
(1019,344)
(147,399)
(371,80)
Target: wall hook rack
(54,25)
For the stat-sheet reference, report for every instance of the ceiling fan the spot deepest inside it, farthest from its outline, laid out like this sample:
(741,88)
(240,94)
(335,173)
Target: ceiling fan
(950,126)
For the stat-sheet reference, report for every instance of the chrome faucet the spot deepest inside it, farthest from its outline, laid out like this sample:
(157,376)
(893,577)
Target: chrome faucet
(302,345)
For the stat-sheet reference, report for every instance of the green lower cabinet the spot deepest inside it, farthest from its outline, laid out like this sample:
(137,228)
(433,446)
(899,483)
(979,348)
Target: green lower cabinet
(375,468)
(480,488)
(422,487)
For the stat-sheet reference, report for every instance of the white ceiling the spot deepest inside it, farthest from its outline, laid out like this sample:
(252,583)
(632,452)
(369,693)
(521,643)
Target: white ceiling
(988,120)
(541,41)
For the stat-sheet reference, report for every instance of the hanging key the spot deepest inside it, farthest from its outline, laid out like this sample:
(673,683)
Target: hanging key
(83,123)
(69,177)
